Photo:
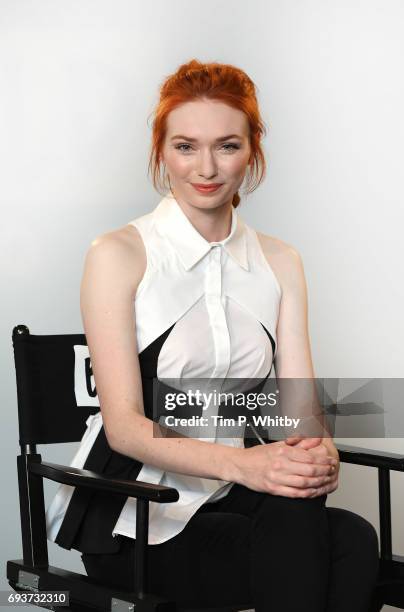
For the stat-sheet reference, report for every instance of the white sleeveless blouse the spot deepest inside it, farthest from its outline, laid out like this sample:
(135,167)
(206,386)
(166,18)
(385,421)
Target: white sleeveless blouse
(218,297)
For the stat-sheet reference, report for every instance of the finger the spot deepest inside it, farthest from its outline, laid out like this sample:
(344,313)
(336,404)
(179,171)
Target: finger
(294,492)
(297,439)
(323,453)
(293,440)
(295,453)
(307,443)
(327,488)
(302,482)
(320,451)
(309,492)
(310,470)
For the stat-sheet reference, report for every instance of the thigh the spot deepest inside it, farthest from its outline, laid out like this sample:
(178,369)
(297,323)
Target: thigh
(206,564)
(218,557)
(239,500)
(222,552)
(269,509)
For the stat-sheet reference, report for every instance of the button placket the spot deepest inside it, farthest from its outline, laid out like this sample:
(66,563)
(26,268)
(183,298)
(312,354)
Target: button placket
(218,323)
(217,317)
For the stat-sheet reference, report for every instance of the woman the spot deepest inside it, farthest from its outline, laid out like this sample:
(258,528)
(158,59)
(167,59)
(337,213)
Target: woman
(190,291)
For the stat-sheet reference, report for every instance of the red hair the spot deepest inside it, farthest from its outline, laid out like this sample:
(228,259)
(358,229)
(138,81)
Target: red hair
(223,82)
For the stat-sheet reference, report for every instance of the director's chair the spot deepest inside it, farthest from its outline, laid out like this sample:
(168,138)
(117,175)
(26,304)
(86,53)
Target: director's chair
(55,397)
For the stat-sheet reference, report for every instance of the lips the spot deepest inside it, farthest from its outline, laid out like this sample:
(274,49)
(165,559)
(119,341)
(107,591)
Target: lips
(206,188)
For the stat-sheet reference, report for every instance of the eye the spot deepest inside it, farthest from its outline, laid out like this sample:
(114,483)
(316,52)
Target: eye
(232,146)
(182,145)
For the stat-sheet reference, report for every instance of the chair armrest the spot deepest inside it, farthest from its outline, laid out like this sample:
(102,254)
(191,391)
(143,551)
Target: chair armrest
(374,458)
(85,478)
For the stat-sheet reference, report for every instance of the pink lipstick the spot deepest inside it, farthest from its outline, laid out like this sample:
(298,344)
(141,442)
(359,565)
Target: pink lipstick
(206,188)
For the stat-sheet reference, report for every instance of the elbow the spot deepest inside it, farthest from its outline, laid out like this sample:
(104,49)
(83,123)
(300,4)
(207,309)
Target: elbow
(121,430)
(113,435)
(111,440)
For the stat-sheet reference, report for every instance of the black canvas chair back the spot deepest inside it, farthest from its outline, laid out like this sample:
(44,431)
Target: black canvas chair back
(55,387)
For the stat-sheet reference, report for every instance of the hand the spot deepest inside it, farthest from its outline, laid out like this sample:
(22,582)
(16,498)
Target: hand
(285,469)
(318,447)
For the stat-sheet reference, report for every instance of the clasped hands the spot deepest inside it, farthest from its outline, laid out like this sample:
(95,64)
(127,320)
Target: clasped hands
(321,450)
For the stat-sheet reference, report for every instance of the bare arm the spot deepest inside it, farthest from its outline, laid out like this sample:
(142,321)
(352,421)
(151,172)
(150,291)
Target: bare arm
(293,359)
(114,266)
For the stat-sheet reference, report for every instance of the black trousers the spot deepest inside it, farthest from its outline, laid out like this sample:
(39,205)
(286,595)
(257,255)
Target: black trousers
(272,553)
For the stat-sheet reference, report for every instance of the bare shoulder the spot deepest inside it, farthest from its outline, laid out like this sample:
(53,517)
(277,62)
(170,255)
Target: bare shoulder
(119,256)
(284,260)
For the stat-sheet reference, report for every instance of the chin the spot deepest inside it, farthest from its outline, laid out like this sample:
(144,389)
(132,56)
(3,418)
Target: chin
(199,200)
(207,203)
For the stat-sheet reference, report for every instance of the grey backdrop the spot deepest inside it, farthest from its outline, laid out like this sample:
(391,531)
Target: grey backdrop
(78,81)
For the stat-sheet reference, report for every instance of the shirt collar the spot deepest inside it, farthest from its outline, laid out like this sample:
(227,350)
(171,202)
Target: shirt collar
(190,245)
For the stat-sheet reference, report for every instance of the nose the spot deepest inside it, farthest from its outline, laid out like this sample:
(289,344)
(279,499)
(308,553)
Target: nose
(207,165)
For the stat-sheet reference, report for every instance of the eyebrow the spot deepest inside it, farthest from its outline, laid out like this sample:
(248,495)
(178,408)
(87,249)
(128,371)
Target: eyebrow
(221,139)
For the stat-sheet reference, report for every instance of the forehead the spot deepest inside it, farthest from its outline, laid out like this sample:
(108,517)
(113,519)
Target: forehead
(207,118)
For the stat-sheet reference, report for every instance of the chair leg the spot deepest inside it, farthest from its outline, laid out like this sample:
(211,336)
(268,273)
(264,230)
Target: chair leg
(142,530)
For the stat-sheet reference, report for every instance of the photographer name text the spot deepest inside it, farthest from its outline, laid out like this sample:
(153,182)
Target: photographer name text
(218,420)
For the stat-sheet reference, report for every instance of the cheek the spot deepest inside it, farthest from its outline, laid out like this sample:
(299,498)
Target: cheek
(178,165)
(237,167)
